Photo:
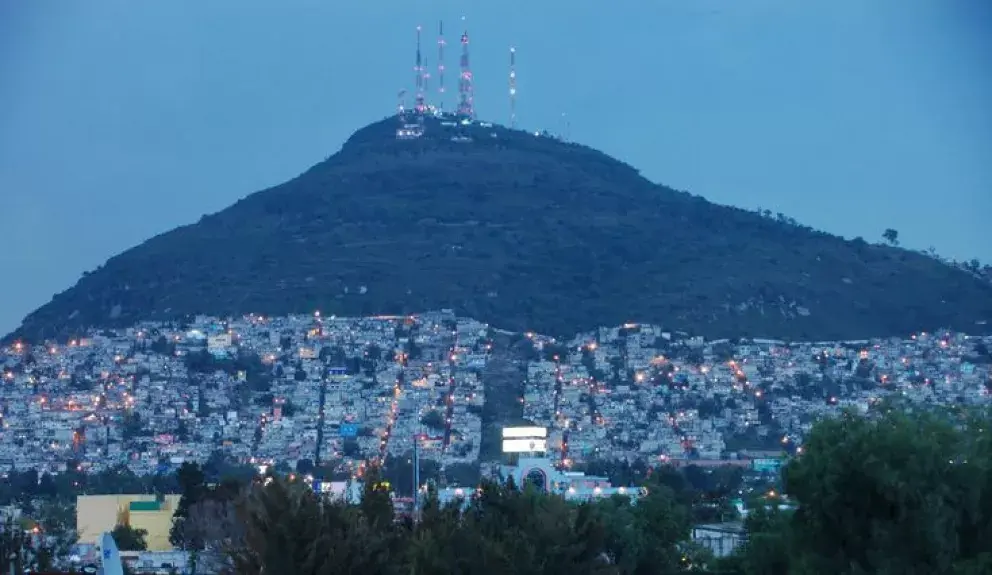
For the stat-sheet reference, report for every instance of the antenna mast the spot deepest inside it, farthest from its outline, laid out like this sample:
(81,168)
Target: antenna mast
(428,107)
(465,103)
(440,65)
(419,69)
(513,87)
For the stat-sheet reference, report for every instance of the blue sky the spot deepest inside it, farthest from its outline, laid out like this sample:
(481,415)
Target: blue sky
(120,119)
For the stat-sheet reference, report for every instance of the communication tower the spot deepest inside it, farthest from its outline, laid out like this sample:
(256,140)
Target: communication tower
(466,107)
(428,107)
(401,106)
(513,87)
(419,70)
(440,66)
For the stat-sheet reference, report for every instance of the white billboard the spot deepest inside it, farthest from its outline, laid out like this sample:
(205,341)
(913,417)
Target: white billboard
(524,432)
(524,445)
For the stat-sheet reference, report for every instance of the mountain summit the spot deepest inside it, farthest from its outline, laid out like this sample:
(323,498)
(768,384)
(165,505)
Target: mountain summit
(524,231)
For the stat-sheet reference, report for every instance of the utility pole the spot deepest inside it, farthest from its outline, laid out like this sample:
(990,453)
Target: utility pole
(416,476)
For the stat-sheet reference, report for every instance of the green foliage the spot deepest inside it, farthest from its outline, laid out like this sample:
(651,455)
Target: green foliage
(258,375)
(399,473)
(433,420)
(132,426)
(523,232)
(645,538)
(499,530)
(891,236)
(289,529)
(891,493)
(15,546)
(163,346)
(768,548)
(192,488)
(129,538)
(23,487)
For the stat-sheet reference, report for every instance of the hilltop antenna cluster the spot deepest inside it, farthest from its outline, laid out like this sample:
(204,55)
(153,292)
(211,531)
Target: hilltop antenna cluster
(466,107)
(513,87)
(412,119)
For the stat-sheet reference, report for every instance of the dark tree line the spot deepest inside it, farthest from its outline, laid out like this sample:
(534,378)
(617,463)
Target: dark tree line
(281,526)
(886,493)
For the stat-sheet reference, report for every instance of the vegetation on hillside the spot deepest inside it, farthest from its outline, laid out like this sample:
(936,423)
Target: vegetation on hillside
(526,233)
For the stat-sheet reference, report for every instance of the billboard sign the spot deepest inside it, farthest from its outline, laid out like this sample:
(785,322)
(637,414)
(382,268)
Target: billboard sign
(528,445)
(524,432)
(766,465)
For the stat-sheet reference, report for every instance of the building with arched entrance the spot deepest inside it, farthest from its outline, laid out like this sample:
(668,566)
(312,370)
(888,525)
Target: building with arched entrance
(542,475)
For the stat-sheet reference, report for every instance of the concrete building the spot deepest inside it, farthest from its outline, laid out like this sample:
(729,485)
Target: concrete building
(96,514)
(720,538)
(542,474)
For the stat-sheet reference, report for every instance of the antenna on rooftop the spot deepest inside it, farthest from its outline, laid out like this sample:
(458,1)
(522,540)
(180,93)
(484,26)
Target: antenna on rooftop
(513,87)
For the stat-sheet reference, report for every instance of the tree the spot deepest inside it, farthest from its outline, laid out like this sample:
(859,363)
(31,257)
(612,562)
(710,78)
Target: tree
(351,448)
(892,236)
(15,546)
(891,492)
(376,505)
(281,525)
(289,529)
(433,419)
(213,524)
(163,346)
(768,548)
(664,524)
(304,466)
(129,538)
(57,520)
(192,489)
(132,425)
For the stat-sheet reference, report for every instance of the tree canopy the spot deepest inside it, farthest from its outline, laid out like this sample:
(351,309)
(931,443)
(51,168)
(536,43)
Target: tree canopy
(500,529)
(894,492)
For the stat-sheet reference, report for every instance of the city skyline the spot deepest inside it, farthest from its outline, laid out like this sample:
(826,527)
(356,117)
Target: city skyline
(115,135)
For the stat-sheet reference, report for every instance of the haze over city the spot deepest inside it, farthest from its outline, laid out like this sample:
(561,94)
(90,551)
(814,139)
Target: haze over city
(122,121)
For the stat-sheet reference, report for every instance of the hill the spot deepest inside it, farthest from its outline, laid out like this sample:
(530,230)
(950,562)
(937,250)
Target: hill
(526,232)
